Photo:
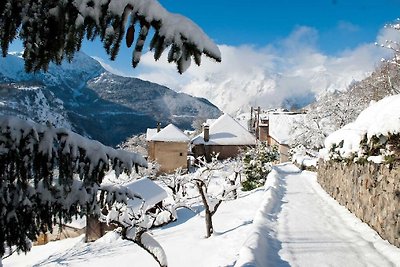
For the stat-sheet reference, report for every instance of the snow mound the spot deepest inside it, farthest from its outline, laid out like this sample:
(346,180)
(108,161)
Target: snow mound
(381,118)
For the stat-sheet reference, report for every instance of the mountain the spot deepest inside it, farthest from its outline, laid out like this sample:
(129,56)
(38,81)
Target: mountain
(83,96)
(235,93)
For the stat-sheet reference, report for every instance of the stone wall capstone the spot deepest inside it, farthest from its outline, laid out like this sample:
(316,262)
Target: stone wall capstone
(370,191)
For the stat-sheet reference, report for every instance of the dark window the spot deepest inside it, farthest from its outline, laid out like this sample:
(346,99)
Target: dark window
(181,154)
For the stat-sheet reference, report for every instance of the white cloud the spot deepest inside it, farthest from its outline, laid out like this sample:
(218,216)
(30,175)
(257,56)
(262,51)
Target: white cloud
(292,68)
(348,26)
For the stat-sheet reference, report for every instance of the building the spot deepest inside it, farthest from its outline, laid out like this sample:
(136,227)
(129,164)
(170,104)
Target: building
(225,136)
(277,128)
(168,147)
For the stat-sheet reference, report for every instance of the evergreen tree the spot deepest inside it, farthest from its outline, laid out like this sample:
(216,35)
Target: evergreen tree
(50,175)
(52,30)
(257,164)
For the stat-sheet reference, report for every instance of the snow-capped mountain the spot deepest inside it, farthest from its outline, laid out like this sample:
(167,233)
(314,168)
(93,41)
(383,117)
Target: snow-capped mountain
(83,96)
(236,93)
(269,77)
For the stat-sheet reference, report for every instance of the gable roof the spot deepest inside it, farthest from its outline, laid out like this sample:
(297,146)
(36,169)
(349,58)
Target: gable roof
(282,126)
(170,134)
(226,131)
(150,133)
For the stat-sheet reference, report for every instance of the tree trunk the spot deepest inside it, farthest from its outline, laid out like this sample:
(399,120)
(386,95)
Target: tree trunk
(208,214)
(209,225)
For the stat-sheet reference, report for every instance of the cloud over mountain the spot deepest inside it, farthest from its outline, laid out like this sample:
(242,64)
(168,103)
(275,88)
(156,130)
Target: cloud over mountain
(291,72)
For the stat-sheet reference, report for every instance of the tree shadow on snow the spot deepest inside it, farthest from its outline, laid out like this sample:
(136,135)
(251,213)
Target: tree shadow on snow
(79,253)
(184,214)
(234,228)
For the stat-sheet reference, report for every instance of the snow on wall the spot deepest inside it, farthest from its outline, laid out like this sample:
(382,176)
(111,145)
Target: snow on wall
(380,118)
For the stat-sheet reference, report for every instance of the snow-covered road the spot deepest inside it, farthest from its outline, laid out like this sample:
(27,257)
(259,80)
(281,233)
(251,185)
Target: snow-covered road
(298,224)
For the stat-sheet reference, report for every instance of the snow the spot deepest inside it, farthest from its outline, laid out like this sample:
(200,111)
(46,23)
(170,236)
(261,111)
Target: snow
(226,131)
(174,27)
(150,133)
(292,221)
(171,133)
(298,224)
(149,191)
(380,118)
(282,126)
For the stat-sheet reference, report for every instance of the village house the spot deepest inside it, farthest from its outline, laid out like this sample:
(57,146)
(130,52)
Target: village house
(277,128)
(168,147)
(224,136)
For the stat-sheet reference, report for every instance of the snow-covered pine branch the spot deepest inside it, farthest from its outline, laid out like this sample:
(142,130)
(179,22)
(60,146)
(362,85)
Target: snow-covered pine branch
(54,29)
(48,175)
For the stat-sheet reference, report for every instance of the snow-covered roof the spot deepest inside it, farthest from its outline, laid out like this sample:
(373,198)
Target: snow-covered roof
(226,131)
(282,126)
(150,133)
(149,191)
(170,134)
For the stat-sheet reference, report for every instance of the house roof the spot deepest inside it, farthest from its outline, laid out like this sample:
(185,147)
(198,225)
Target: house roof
(169,134)
(150,133)
(150,192)
(282,126)
(226,131)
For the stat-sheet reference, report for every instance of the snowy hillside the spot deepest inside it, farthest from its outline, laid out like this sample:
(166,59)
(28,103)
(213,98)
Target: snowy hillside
(83,96)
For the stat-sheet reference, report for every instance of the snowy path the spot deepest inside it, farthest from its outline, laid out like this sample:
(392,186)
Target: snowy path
(300,225)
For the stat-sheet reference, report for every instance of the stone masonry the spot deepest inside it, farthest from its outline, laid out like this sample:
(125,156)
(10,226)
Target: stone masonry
(370,191)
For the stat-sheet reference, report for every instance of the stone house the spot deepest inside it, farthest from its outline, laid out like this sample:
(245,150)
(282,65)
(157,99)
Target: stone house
(225,136)
(168,147)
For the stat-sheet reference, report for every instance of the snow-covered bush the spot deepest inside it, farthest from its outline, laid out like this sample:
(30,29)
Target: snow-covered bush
(257,164)
(48,175)
(305,158)
(373,136)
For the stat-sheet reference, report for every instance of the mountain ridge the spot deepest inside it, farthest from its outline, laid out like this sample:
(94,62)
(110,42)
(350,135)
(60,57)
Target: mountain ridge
(83,96)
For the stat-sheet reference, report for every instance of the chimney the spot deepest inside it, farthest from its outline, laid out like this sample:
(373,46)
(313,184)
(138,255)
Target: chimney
(158,126)
(251,120)
(206,133)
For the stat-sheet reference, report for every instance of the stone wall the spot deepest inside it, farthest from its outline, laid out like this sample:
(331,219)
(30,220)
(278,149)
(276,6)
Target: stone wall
(370,191)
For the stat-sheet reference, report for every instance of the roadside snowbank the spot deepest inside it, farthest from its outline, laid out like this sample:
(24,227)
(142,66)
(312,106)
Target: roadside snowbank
(257,244)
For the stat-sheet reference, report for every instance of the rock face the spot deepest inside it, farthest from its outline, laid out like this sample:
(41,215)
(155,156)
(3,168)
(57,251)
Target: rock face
(83,96)
(370,191)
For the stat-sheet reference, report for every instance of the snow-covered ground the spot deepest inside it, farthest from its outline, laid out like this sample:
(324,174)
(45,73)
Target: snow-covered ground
(292,222)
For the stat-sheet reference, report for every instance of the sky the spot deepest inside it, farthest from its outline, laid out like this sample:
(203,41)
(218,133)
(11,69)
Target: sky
(274,49)
(339,25)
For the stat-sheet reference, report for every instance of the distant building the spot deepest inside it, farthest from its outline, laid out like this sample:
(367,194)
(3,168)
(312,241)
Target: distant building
(168,147)
(277,128)
(224,136)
